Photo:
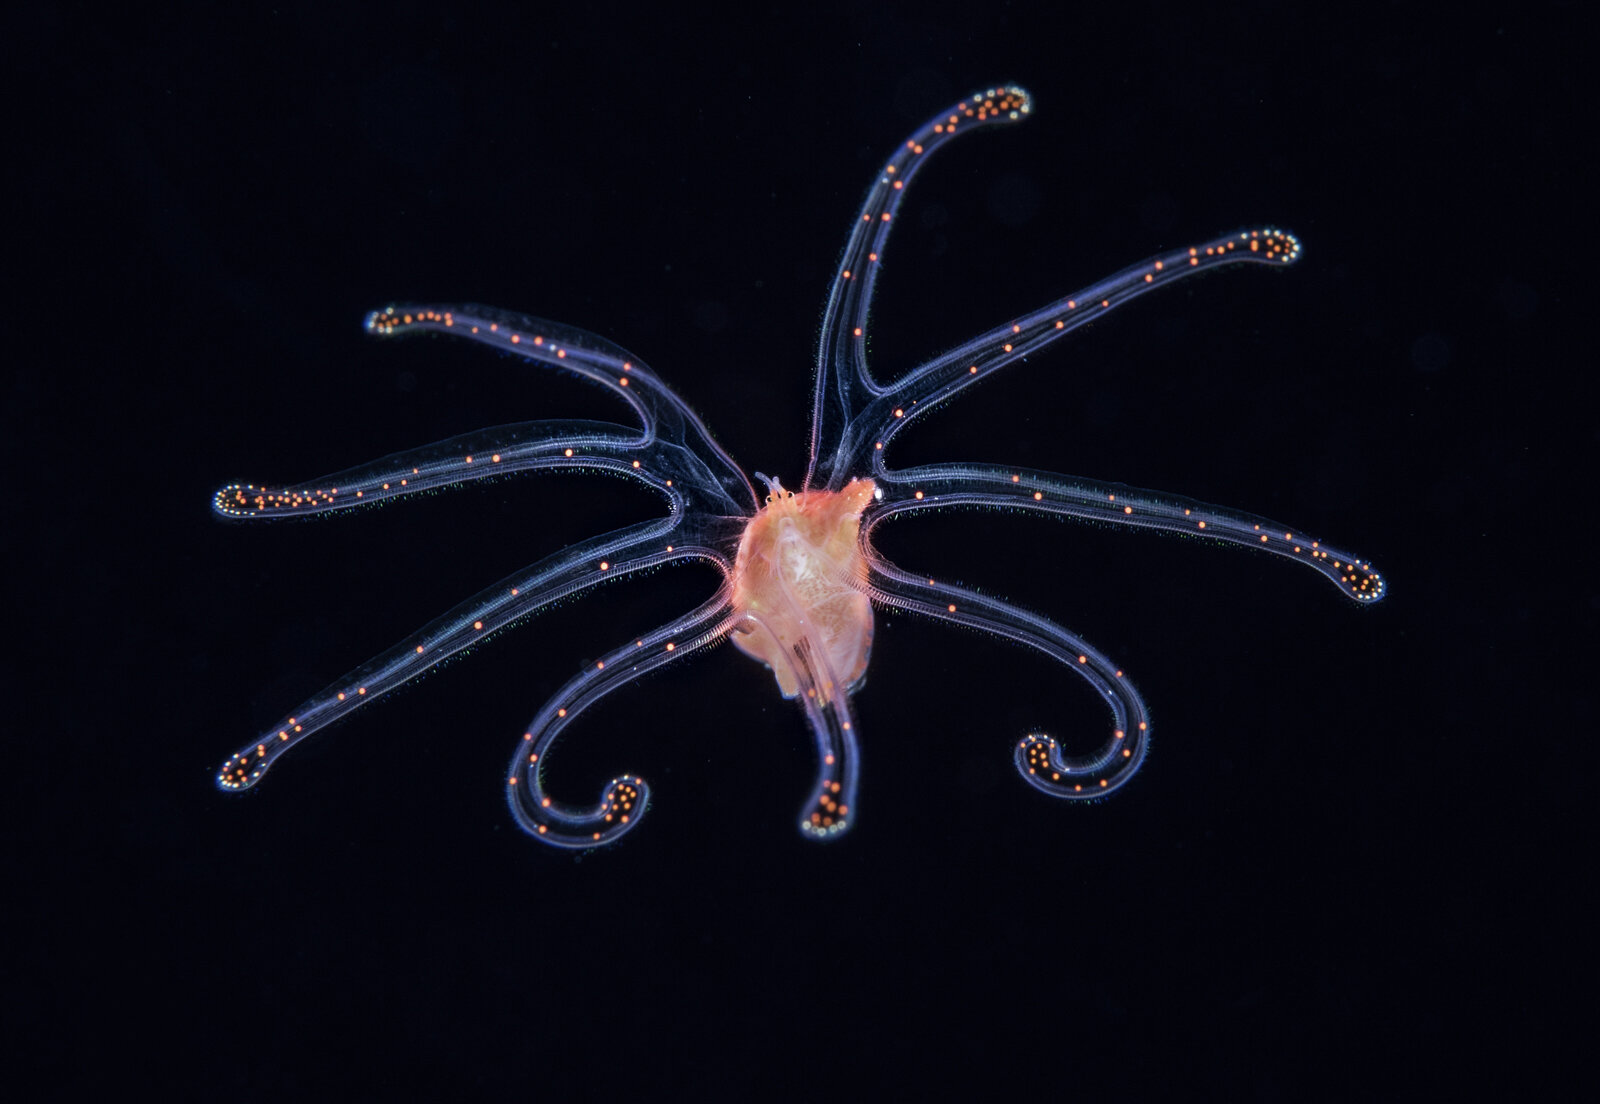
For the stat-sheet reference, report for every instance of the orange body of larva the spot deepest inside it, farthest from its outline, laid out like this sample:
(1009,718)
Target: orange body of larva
(799,584)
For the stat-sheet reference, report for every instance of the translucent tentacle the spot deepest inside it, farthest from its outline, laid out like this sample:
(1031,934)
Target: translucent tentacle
(937,485)
(844,384)
(830,810)
(890,409)
(624,799)
(513,599)
(482,454)
(665,416)
(1038,756)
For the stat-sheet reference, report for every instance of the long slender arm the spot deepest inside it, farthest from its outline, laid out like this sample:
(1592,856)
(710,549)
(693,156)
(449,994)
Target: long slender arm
(936,485)
(891,408)
(844,383)
(513,599)
(830,810)
(624,799)
(1038,757)
(482,454)
(701,465)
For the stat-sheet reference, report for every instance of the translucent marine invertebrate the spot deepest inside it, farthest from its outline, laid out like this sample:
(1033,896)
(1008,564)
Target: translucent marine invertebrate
(800,573)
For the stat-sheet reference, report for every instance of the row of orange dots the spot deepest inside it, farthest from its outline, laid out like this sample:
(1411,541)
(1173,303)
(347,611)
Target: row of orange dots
(1357,576)
(1278,245)
(478,626)
(247,499)
(599,665)
(1368,585)
(386,320)
(981,106)
(515,337)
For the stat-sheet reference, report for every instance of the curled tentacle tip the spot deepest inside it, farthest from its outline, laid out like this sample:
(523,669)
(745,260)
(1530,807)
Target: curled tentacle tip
(1038,760)
(624,800)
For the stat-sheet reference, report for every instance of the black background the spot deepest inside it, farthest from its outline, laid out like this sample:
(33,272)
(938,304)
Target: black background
(1342,870)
